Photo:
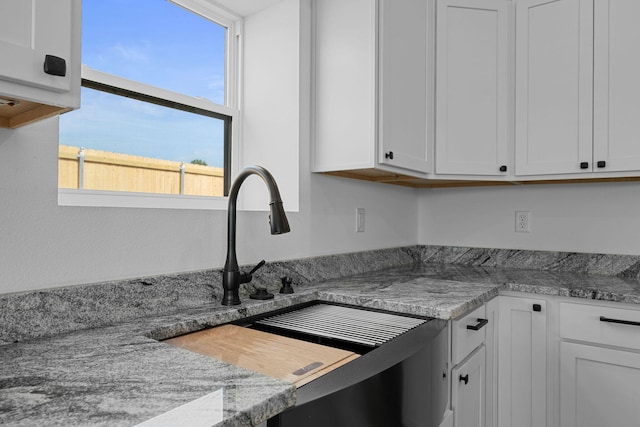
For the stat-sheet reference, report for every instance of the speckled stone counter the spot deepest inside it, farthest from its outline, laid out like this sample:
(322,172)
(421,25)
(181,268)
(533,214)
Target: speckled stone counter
(25,315)
(121,375)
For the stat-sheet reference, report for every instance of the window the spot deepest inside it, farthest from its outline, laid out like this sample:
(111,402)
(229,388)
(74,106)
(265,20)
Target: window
(157,101)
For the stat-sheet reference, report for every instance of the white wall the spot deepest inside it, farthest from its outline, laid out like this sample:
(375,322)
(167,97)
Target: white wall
(271,102)
(600,218)
(43,245)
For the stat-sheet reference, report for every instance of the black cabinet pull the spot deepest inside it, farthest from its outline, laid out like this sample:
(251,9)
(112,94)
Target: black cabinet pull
(622,322)
(602,164)
(465,379)
(503,168)
(537,307)
(55,66)
(584,165)
(477,326)
(389,155)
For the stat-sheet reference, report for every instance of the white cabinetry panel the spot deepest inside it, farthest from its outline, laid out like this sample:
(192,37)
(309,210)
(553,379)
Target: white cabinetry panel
(472,85)
(522,367)
(370,85)
(582,322)
(616,86)
(345,80)
(403,84)
(554,69)
(599,386)
(468,391)
(467,333)
(31,30)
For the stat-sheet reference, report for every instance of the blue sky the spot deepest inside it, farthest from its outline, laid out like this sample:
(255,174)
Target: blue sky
(160,44)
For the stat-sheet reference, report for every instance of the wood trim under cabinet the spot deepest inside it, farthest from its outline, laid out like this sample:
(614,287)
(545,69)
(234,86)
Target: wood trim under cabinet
(26,112)
(377,175)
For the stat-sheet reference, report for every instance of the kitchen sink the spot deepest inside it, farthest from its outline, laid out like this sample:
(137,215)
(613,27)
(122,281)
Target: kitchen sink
(387,366)
(299,343)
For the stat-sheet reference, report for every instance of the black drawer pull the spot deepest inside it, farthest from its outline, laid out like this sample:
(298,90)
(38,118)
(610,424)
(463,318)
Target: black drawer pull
(465,379)
(537,307)
(477,326)
(623,322)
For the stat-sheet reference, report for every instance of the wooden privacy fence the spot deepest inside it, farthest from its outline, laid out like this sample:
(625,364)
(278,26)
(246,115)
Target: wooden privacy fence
(101,170)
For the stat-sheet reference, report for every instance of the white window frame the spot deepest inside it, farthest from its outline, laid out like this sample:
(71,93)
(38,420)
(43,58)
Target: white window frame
(102,198)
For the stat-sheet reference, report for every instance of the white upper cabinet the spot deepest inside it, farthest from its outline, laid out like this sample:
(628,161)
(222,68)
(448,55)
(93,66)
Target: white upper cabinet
(575,80)
(344,84)
(40,67)
(402,32)
(370,85)
(577,87)
(472,87)
(616,86)
(554,68)
(516,90)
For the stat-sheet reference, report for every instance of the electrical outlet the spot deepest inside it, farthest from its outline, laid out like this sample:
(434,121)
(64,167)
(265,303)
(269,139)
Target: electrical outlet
(523,221)
(360,220)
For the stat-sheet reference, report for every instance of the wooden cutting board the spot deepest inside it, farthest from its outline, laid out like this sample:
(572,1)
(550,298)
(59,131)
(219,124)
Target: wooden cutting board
(286,358)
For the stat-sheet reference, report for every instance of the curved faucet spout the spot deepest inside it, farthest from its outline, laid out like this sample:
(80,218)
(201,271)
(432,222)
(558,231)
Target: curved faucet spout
(231,276)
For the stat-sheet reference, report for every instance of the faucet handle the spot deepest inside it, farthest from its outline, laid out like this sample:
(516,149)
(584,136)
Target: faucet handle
(257,267)
(246,277)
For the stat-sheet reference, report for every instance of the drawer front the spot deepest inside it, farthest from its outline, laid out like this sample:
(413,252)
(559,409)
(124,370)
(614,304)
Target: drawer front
(468,333)
(600,324)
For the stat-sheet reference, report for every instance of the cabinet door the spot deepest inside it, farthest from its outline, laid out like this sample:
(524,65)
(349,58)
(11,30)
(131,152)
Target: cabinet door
(30,30)
(598,386)
(472,82)
(522,367)
(616,85)
(468,391)
(344,84)
(402,98)
(554,78)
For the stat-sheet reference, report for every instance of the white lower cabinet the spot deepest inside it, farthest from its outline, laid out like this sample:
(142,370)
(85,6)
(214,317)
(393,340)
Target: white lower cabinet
(599,365)
(522,362)
(468,391)
(598,386)
(468,376)
(527,360)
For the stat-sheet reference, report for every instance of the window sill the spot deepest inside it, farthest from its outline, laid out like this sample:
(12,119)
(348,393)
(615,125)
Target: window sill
(118,199)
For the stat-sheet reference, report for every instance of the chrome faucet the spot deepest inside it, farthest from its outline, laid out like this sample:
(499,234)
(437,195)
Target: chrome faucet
(231,275)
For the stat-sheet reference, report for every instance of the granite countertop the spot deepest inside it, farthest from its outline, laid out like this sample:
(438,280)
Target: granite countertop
(121,375)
